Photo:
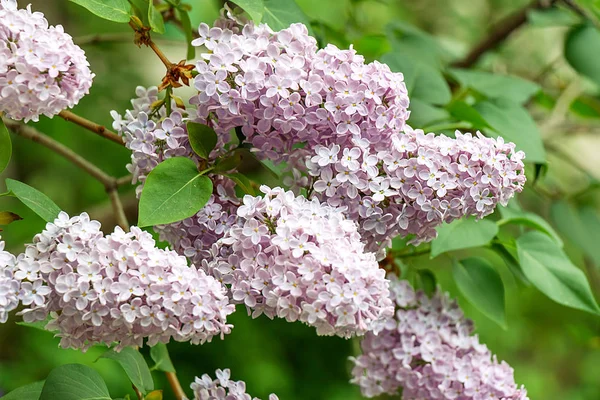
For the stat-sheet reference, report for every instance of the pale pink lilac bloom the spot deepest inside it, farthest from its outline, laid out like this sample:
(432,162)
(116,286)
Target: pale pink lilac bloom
(222,388)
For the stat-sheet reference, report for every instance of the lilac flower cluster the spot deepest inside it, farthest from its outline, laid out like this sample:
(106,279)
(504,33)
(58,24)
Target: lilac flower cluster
(301,260)
(42,71)
(9,286)
(157,138)
(222,388)
(283,91)
(429,352)
(416,183)
(112,289)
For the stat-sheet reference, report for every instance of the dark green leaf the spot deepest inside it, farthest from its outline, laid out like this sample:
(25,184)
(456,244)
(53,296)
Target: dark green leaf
(160,355)
(254,8)
(425,280)
(203,138)
(156,19)
(173,191)
(112,10)
(34,199)
(186,24)
(582,51)
(74,382)
(496,86)
(464,112)
(5,146)
(515,124)
(27,392)
(462,234)
(511,261)
(279,14)
(243,182)
(230,162)
(551,271)
(526,218)
(481,284)
(135,367)
(580,228)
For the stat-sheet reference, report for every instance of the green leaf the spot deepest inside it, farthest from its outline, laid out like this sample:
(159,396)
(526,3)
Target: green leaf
(155,395)
(464,112)
(112,10)
(582,51)
(173,191)
(41,325)
(425,280)
(135,367)
(552,16)
(203,138)
(510,260)
(496,86)
(515,124)
(27,392)
(34,199)
(74,382)
(156,19)
(550,270)
(423,114)
(481,284)
(334,14)
(140,9)
(581,228)
(186,24)
(160,355)
(7,217)
(229,163)
(532,220)
(243,182)
(279,14)
(463,234)
(254,8)
(5,146)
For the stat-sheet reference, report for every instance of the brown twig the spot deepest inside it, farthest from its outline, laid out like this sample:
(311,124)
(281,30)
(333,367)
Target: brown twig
(500,32)
(91,126)
(116,38)
(110,183)
(175,385)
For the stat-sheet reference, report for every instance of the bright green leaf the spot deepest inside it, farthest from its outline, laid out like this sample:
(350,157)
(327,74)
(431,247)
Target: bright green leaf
(186,24)
(423,114)
(463,234)
(27,392)
(582,50)
(112,10)
(5,146)
(160,355)
(74,382)
(203,138)
(579,227)
(482,285)
(135,367)
(515,124)
(511,260)
(279,14)
(156,19)
(552,16)
(335,14)
(550,270)
(254,8)
(243,182)
(34,199)
(530,219)
(496,86)
(173,191)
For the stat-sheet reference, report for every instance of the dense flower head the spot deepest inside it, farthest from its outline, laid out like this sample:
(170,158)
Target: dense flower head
(114,289)
(416,183)
(429,352)
(42,71)
(222,388)
(301,260)
(9,286)
(282,90)
(154,137)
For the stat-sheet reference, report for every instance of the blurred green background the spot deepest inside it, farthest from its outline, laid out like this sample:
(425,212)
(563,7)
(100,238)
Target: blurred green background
(555,351)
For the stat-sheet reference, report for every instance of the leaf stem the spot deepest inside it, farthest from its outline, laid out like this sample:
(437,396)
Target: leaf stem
(175,385)
(91,126)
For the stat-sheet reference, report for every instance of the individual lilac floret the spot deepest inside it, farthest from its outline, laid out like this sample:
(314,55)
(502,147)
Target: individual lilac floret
(9,285)
(282,90)
(429,352)
(222,388)
(157,138)
(42,71)
(417,182)
(116,289)
(301,260)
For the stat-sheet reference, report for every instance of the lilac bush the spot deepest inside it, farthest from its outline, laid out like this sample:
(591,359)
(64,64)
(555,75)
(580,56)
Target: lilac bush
(42,71)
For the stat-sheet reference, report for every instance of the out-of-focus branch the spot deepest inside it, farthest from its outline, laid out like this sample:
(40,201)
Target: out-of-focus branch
(176,386)
(117,38)
(91,126)
(500,32)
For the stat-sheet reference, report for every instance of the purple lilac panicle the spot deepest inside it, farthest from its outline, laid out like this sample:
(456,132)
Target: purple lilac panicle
(9,286)
(42,71)
(112,289)
(429,352)
(301,260)
(222,388)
